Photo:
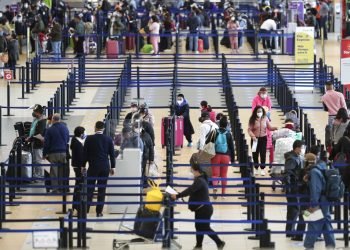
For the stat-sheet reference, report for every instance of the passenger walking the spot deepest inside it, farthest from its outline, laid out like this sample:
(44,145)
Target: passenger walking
(262,99)
(154,28)
(293,166)
(339,126)
(36,138)
(232,27)
(332,101)
(258,125)
(317,186)
(55,151)
(199,192)
(206,127)
(224,155)
(77,152)
(99,153)
(183,109)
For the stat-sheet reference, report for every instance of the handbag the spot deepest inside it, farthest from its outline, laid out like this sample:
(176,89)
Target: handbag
(153,170)
(209,147)
(4,58)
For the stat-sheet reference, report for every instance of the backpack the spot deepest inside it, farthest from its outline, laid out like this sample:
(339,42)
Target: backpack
(221,143)
(335,187)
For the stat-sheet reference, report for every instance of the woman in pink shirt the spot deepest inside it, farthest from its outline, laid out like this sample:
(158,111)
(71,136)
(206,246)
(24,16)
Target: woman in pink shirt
(263,100)
(257,129)
(232,27)
(154,27)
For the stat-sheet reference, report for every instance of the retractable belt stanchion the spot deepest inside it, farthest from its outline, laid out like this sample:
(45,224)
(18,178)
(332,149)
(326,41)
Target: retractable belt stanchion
(264,232)
(346,219)
(255,210)
(1,127)
(63,234)
(2,195)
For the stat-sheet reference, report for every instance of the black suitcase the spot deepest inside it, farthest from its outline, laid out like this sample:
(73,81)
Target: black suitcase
(147,229)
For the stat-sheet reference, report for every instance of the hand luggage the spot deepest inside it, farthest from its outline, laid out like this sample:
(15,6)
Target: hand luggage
(130,42)
(282,146)
(26,171)
(154,197)
(112,49)
(179,131)
(205,39)
(200,45)
(147,229)
(147,48)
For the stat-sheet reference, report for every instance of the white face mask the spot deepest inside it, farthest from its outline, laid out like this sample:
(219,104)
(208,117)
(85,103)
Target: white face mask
(263,96)
(259,114)
(303,149)
(179,101)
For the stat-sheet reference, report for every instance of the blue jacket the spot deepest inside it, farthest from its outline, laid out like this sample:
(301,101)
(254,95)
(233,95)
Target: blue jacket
(99,151)
(56,139)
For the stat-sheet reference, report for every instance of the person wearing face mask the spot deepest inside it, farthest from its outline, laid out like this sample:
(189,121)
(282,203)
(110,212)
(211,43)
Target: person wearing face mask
(133,110)
(199,192)
(258,125)
(262,99)
(182,108)
(20,30)
(36,138)
(3,49)
(291,178)
(316,182)
(77,152)
(131,139)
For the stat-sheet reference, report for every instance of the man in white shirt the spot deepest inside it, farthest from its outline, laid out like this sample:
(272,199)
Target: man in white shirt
(267,26)
(206,127)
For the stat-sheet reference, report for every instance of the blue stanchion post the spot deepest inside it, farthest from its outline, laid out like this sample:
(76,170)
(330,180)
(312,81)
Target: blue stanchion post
(346,219)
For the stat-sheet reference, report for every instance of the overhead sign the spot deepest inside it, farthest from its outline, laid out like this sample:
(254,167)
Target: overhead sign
(304,45)
(345,62)
(45,239)
(8,75)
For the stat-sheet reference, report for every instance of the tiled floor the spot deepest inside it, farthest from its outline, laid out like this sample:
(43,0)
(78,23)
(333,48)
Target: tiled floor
(156,97)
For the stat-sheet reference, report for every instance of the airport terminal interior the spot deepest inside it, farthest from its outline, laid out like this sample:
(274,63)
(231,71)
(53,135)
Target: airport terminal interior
(228,68)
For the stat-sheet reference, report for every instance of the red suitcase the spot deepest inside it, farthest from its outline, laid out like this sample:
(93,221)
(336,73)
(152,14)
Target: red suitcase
(112,49)
(200,45)
(179,131)
(130,43)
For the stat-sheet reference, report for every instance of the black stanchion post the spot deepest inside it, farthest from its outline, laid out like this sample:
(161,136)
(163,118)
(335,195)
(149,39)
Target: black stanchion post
(2,195)
(8,108)
(138,86)
(70,228)
(255,210)
(1,127)
(346,219)
(27,78)
(84,212)
(63,234)
(167,226)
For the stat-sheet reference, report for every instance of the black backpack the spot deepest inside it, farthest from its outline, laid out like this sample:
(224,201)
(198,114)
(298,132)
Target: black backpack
(334,190)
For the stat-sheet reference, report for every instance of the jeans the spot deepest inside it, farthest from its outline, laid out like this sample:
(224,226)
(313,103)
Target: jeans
(193,42)
(38,159)
(321,225)
(323,25)
(56,49)
(205,213)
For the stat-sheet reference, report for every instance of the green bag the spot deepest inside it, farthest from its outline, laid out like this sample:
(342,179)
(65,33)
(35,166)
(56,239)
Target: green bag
(298,136)
(147,48)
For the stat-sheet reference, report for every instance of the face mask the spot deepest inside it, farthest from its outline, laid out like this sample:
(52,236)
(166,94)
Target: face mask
(26,5)
(259,114)
(133,110)
(83,136)
(34,115)
(303,149)
(263,96)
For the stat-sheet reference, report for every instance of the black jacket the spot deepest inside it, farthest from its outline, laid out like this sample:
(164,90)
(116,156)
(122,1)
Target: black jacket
(343,145)
(292,168)
(184,110)
(148,147)
(77,149)
(99,151)
(198,192)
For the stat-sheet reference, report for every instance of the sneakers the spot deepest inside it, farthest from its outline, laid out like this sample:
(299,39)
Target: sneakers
(257,172)
(197,52)
(189,144)
(262,173)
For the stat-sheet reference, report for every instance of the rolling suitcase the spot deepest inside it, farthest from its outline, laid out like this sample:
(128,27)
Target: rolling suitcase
(205,39)
(26,171)
(130,42)
(200,45)
(112,49)
(179,131)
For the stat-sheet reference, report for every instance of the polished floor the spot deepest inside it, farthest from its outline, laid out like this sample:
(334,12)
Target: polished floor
(100,97)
